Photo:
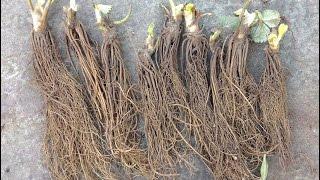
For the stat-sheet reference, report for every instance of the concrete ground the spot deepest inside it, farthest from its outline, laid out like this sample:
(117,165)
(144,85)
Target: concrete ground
(22,120)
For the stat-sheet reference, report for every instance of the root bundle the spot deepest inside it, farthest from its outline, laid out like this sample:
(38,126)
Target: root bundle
(164,98)
(240,100)
(71,138)
(205,103)
(64,106)
(229,164)
(122,131)
(80,44)
(238,96)
(196,49)
(161,139)
(214,139)
(273,106)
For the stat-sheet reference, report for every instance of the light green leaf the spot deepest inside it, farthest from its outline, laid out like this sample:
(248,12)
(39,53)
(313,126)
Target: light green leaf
(151,30)
(231,22)
(172,4)
(73,5)
(271,18)
(100,10)
(250,18)
(41,2)
(98,15)
(214,37)
(178,10)
(259,15)
(264,168)
(259,33)
(239,11)
(282,29)
(125,19)
(104,9)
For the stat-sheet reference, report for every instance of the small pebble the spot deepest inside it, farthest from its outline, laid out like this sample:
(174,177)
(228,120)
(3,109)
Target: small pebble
(7,170)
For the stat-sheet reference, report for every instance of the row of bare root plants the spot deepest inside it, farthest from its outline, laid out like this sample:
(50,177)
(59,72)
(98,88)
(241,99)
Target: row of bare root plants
(194,99)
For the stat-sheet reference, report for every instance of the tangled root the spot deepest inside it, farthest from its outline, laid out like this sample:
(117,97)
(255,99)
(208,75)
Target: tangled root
(160,131)
(229,165)
(204,126)
(239,94)
(70,139)
(122,128)
(273,106)
(80,44)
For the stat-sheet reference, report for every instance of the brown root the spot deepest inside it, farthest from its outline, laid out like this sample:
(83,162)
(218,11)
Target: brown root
(171,115)
(159,129)
(273,106)
(166,59)
(214,139)
(79,42)
(239,94)
(195,47)
(165,106)
(70,138)
(122,129)
(230,164)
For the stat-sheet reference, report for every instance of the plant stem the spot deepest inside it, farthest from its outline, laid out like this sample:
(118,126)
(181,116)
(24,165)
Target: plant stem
(242,29)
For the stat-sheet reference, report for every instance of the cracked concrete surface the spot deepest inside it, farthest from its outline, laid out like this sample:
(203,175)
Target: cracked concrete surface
(22,120)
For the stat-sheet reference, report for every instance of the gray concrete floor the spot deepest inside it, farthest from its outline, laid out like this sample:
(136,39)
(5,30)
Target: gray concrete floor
(22,120)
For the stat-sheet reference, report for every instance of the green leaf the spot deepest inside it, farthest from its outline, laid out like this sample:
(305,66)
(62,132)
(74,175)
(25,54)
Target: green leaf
(271,18)
(151,30)
(260,32)
(231,22)
(264,168)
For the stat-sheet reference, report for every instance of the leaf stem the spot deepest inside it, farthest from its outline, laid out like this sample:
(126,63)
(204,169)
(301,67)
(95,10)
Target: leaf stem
(242,29)
(39,14)
(30,5)
(125,19)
